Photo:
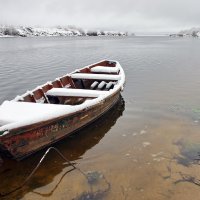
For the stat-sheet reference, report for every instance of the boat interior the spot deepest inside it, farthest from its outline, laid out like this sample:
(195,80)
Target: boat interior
(75,88)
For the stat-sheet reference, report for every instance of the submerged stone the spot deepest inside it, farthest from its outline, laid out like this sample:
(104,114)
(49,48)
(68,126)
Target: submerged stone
(94,177)
(189,152)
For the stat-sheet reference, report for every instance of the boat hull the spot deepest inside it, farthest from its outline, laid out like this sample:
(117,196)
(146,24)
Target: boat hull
(22,142)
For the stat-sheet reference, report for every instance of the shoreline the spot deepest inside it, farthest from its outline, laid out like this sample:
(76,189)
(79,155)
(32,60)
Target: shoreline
(7,31)
(42,36)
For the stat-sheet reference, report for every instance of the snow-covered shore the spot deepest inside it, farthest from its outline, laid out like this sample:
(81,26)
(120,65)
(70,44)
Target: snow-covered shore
(193,32)
(22,31)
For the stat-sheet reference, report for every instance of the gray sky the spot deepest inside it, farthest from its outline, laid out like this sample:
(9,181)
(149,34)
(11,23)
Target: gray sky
(126,15)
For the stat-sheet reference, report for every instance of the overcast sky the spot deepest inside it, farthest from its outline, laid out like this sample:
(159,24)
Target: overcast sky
(126,15)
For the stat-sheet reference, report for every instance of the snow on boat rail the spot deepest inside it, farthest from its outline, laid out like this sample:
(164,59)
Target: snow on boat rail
(75,92)
(96,76)
(104,69)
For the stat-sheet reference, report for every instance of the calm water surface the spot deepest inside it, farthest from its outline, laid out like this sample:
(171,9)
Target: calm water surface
(146,147)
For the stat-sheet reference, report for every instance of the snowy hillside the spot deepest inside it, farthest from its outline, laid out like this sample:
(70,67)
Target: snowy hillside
(193,32)
(6,31)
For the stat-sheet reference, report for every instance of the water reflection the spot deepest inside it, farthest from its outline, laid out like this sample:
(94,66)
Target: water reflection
(12,173)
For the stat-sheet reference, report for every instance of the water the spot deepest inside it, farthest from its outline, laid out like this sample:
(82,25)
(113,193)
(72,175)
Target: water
(147,147)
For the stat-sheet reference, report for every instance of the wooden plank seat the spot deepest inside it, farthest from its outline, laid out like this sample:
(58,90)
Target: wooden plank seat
(110,85)
(96,76)
(94,85)
(69,92)
(101,85)
(104,69)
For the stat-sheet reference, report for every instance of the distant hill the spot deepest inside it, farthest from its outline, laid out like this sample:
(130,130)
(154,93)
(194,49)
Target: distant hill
(193,32)
(24,31)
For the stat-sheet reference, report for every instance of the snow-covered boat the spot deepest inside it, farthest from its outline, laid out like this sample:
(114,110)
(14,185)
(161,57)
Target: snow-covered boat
(56,109)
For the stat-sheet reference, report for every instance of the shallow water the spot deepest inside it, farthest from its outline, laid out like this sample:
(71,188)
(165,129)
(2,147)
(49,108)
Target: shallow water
(146,147)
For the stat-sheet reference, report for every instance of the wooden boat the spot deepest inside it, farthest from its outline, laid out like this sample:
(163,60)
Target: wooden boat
(56,109)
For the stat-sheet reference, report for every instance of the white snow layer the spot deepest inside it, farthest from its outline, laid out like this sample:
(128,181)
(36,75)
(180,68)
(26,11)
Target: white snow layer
(102,69)
(94,85)
(11,111)
(75,92)
(96,76)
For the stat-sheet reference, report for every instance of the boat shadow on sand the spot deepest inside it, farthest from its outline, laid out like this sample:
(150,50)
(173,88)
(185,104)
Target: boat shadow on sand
(13,173)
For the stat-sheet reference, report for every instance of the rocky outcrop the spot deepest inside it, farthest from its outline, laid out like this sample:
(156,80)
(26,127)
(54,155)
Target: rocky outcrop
(193,32)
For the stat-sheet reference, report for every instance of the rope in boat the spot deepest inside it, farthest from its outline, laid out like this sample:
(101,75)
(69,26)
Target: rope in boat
(38,165)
